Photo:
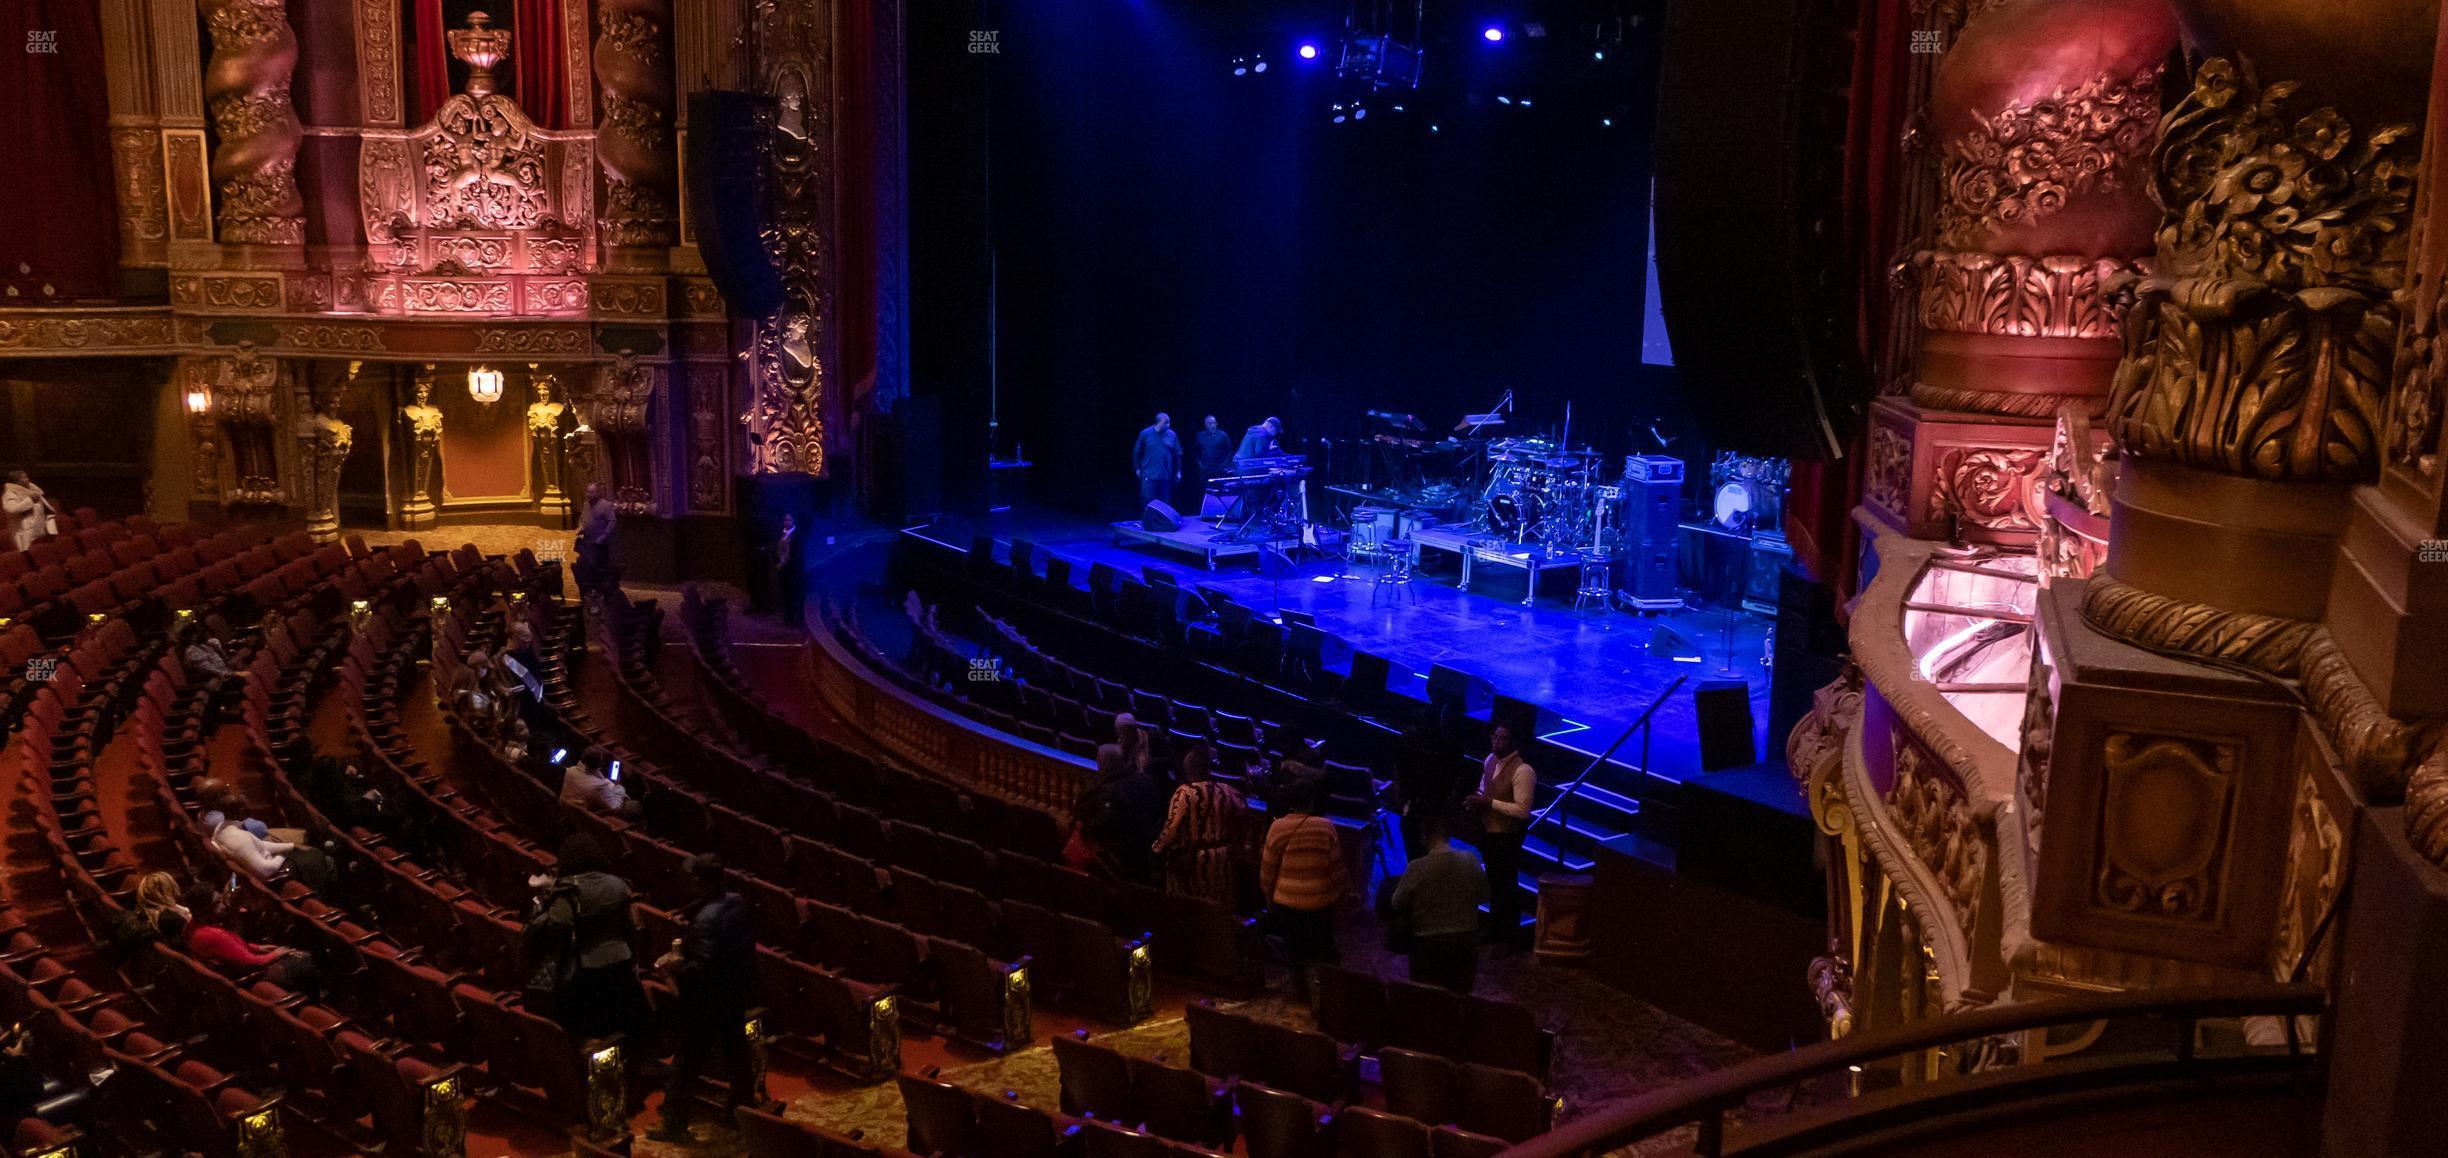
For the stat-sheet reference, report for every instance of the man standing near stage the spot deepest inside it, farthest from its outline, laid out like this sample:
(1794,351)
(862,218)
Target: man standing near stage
(1259,440)
(1507,787)
(594,549)
(1157,461)
(1215,451)
(790,573)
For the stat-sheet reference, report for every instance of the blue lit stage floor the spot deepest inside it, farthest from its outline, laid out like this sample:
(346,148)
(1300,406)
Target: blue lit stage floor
(1593,669)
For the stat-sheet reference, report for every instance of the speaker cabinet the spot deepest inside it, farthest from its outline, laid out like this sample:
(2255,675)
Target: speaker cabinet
(1724,708)
(1159,515)
(726,197)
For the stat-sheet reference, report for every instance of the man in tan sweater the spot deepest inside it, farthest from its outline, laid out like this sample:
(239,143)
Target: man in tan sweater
(1508,786)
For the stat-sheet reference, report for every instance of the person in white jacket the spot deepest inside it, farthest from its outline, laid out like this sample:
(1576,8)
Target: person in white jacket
(260,856)
(29,513)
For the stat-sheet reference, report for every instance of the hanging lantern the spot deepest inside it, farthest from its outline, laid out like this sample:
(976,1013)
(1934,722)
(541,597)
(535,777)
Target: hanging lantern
(485,385)
(199,400)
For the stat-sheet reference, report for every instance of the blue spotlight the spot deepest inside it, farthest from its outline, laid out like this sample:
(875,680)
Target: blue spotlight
(1308,50)
(1502,99)
(1260,66)
(1494,33)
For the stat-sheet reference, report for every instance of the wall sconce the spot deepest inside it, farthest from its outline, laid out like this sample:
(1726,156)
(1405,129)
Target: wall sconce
(199,401)
(485,385)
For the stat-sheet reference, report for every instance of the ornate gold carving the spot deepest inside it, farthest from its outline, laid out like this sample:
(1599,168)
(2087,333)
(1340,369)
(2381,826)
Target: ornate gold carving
(246,402)
(709,388)
(624,395)
(607,1093)
(2009,295)
(544,434)
(2380,754)
(2414,419)
(786,433)
(531,340)
(1938,826)
(2268,642)
(1831,982)
(1018,1009)
(246,86)
(2067,499)
(189,190)
(2164,821)
(2039,733)
(700,299)
(378,71)
(634,130)
(324,442)
(883,1036)
(1817,739)
(144,205)
(1984,487)
(2316,864)
(204,455)
(2426,802)
(457,210)
(331,338)
(424,421)
(1887,483)
(2026,161)
(213,291)
(23,333)
(2261,344)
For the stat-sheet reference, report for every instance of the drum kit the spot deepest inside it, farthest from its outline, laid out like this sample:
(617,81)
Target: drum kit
(1540,493)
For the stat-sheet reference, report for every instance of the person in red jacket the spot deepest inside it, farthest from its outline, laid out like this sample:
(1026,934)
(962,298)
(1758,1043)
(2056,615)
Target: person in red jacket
(204,930)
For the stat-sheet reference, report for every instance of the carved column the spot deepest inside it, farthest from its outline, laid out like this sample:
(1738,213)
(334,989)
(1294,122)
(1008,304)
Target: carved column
(424,422)
(135,130)
(622,409)
(2253,391)
(246,404)
(633,75)
(324,442)
(794,347)
(2040,115)
(246,86)
(193,380)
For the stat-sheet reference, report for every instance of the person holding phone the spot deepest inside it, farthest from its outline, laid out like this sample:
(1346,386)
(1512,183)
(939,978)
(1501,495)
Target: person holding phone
(584,787)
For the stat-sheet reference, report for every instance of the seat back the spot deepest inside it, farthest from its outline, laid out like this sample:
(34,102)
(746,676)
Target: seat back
(1421,1085)
(1447,1142)
(1096,1080)
(1360,1132)
(1428,1019)
(1181,1104)
(942,1117)
(1008,1129)
(1508,1104)
(1278,1123)
(1351,1005)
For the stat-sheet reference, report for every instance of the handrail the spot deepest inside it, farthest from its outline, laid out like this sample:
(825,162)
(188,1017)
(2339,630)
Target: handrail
(1706,1099)
(1640,725)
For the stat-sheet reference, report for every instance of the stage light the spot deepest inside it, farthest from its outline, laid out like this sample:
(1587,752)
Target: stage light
(1598,55)
(1494,33)
(1240,67)
(1436,128)
(1340,115)
(1525,102)
(1502,99)
(1260,66)
(1606,122)
(1308,50)
(1359,112)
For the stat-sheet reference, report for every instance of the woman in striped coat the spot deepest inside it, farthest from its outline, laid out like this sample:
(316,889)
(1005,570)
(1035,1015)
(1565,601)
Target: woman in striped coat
(1200,827)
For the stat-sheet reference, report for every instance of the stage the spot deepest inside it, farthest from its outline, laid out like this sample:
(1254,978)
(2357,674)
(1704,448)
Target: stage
(1593,669)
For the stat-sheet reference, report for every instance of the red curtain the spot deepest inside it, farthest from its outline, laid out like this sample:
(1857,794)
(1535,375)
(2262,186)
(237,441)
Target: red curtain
(1820,501)
(536,61)
(433,61)
(59,223)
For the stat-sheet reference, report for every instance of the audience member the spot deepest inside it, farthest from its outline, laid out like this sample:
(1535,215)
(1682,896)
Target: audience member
(1437,905)
(1120,814)
(201,920)
(581,968)
(259,850)
(1201,825)
(589,782)
(157,895)
(714,969)
(1303,878)
(1501,807)
(29,512)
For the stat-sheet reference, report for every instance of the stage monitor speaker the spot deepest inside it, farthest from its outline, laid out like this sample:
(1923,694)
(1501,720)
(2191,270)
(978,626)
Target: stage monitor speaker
(1058,572)
(1304,651)
(1293,618)
(1759,287)
(1159,515)
(1724,708)
(1520,715)
(1158,577)
(1369,674)
(1668,644)
(1446,683)
(727,205)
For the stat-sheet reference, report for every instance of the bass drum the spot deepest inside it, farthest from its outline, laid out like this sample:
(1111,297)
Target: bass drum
(1513,509)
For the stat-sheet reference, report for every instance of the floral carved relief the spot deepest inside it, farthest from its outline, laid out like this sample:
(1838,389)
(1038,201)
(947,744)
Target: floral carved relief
(2261,344)
(2025,161)
(1937,822)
